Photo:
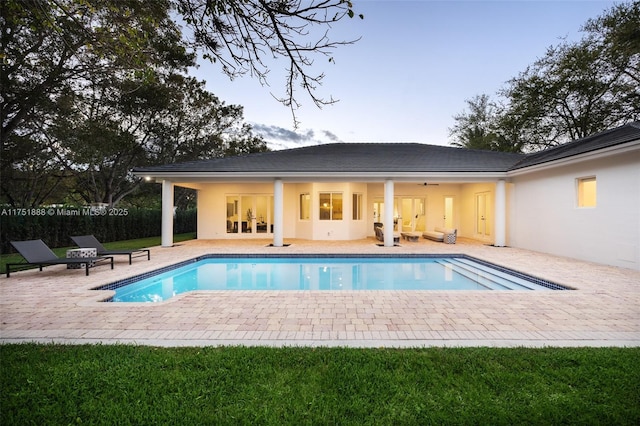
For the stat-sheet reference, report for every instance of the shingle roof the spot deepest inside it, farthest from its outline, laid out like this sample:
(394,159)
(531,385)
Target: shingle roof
(606,139)
(394,157)
(354,157)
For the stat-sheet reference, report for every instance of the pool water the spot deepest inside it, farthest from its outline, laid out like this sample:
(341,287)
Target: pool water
(324,273)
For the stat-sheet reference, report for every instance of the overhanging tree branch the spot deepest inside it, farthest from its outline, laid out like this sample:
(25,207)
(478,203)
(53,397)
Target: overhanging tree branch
(242,34)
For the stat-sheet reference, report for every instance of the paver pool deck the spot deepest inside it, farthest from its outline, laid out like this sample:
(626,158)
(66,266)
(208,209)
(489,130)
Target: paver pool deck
(58,305)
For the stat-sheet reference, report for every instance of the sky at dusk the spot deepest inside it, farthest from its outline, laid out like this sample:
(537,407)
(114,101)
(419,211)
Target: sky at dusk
(412,70)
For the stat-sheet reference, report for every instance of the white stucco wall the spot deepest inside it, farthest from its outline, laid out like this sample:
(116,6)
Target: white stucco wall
(544,215)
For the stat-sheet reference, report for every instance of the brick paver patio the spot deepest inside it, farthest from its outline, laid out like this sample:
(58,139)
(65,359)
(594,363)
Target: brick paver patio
(57,305)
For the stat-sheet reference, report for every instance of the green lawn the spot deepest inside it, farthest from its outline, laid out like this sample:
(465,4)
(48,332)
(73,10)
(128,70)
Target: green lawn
(125,245)
(58,384)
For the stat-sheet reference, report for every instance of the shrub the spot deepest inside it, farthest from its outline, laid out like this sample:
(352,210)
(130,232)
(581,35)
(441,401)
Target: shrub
(55,225)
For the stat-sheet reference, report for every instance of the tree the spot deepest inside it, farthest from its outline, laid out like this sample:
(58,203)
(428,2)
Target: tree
(570,93)
(194,124)
(48,45)
(170,119)
(618,31)
(116,35)
(474,129)
(575,90)
(479,127)
(36,177)
(578,89)
(51,51)
(92,89)
(242,35)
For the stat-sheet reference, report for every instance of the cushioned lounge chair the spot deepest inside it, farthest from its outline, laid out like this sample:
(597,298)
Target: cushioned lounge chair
(89,241)
(380,234)
(36,252)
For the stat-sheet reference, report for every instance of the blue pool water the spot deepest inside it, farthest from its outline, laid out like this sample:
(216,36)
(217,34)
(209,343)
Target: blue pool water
(324,273)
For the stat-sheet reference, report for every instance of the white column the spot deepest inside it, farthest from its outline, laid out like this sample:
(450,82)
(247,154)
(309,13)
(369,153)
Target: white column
(388,213)
(500,214)
(167,213)
(278,212)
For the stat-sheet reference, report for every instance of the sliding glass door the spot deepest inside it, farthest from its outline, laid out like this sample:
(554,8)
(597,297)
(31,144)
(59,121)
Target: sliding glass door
(408,213)
(249,214)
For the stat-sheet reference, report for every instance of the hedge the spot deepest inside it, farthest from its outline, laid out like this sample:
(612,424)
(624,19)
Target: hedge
(55,225)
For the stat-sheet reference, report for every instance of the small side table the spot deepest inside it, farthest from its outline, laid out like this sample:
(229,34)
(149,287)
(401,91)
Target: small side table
(80,253)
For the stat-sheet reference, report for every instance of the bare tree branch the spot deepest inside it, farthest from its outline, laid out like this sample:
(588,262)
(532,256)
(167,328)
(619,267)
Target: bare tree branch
(242,35)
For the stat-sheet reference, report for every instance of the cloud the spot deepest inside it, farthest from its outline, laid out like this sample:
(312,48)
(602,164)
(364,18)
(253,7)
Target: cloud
(331,136)
(282,138)
(281,133)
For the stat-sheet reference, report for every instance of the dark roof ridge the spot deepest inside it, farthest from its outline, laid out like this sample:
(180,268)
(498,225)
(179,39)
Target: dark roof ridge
(607,138)
(326,144)
(635,124)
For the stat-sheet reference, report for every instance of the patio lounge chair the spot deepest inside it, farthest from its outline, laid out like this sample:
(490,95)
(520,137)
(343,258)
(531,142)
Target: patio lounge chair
(380,233)
(36,252)
(89,241)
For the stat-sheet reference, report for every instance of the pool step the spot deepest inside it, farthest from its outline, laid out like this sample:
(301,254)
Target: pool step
(482,279)
(492,278)
(512,278)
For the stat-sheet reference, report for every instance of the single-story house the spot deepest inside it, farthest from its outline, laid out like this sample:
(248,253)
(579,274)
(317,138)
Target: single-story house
(580,199)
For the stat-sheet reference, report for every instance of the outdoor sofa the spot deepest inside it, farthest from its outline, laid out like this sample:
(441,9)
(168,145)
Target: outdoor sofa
(440,234)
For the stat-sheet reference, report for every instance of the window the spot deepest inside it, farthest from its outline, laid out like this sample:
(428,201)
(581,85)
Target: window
(587,192)
(357,207)
(330,206)
(305,206)
(232,214)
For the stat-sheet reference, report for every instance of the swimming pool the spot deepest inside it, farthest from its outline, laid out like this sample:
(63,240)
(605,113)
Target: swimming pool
(318,272)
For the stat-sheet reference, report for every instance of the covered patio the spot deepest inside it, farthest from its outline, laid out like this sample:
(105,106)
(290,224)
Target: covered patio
(338,191)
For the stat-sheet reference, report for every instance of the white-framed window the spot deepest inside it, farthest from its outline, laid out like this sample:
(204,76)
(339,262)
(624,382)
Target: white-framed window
(357,207)
(586,191)
(305,206)
(330,206)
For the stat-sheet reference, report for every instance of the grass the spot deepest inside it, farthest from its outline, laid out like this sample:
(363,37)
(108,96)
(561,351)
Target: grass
(64,384)
(124,245)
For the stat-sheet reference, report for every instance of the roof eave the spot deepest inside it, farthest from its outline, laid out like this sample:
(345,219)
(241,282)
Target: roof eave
(591,155)
(424,176)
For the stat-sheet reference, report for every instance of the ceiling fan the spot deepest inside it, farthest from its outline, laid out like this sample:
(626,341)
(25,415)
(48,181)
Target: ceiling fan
(428,184)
